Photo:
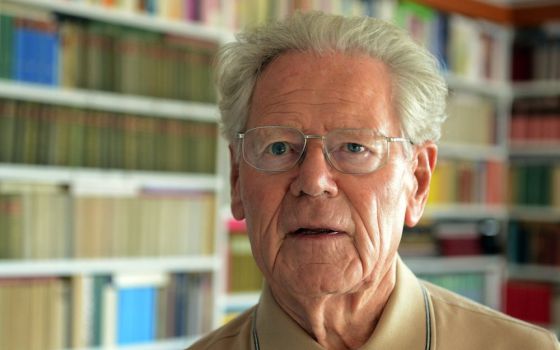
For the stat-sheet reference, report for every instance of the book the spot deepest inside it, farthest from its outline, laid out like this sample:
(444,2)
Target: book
(534,243)
(136,307)
(471,120)
(458,238)
(21,301)
(535,121)
(418,241)
(535,54)
(529,301)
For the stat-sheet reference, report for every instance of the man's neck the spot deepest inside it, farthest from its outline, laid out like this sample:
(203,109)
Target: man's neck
(340,321)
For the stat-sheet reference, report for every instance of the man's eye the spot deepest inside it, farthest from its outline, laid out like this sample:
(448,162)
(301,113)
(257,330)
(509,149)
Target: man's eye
(278,148)
(354,147)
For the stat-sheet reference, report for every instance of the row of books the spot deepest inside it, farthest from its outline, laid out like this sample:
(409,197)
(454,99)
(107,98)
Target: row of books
(471,120)
(535,120)
(534,243)
(253,12)
(78,53)
(532,302)
(236,14)
(32,313)
(36,133)
(452,238)
(467,47)
(536,54)
(535,184)
(102,311)
(462,181)
(53,224)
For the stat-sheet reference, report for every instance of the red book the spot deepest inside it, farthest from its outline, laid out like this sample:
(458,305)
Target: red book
(495,187)
(529,301)
(456,246)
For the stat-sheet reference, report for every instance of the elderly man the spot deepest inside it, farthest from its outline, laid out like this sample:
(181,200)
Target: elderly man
(332,123)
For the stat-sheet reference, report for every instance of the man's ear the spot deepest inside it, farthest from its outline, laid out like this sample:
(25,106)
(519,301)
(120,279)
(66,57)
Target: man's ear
(424,163)
(236,203)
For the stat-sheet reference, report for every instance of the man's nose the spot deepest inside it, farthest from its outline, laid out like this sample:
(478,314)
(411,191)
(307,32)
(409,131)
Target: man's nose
(314,173)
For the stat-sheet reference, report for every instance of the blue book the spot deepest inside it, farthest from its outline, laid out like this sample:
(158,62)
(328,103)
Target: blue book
(32,55)
(39,57)
(54,49)
(20,38)
(136,315)
(180,303)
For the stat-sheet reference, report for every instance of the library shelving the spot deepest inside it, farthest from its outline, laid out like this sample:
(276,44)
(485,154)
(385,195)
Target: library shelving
(84,283)
(526,140)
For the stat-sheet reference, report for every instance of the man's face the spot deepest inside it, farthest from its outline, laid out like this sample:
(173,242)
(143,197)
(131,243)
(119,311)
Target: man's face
(314,230)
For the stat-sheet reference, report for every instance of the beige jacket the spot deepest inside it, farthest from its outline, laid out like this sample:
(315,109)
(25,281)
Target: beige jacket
(418,316)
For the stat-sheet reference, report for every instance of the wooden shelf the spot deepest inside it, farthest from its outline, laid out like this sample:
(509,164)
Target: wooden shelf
(508,15)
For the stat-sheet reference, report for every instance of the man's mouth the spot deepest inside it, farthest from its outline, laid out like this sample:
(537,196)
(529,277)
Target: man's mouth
(305,231)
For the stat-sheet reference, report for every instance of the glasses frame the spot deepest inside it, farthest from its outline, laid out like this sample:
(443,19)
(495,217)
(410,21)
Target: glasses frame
(389,139)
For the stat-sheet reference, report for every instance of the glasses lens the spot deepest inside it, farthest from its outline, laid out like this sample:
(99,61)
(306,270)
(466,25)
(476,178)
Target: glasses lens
(273,148)
(356,151)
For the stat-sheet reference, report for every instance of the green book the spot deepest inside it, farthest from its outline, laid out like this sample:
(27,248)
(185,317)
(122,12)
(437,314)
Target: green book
(6,46)
(7,130)
(75,134)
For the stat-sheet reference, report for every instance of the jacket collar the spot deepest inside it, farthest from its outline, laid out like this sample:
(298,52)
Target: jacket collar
(402,324)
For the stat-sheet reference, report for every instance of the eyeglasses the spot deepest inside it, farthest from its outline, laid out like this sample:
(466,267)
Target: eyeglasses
(280,148)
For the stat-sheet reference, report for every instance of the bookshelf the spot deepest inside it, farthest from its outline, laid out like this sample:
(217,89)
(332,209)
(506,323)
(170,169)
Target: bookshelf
(528,148)
(192,277)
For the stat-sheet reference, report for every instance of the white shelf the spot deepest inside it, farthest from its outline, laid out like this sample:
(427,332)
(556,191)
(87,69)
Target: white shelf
(465,211)
(537,88)
(493,268)
(240,301)
(108,101)
(535,149)
(472,151)
(109,177)
(535,213)
(170,344)
(137,20)
(489,88)
(71,267)
(534,272)
(441,265)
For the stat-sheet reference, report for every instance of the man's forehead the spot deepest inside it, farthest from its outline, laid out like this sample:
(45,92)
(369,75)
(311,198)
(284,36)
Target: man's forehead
(346,86)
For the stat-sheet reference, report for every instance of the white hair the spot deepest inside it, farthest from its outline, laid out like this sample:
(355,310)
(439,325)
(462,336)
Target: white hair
(419,88)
